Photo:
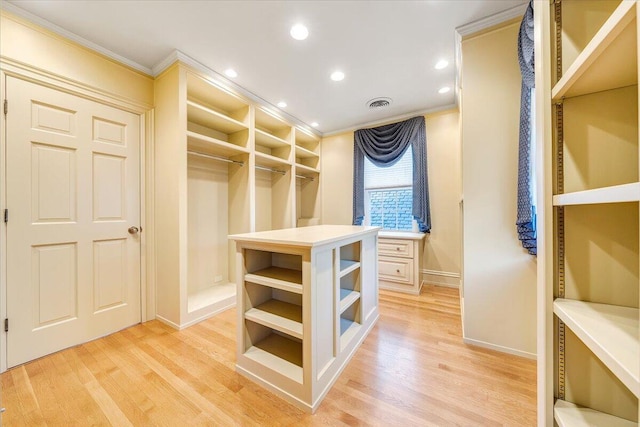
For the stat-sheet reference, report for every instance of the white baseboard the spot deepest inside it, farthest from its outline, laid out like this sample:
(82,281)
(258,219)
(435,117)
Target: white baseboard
(441,278)
(500,348)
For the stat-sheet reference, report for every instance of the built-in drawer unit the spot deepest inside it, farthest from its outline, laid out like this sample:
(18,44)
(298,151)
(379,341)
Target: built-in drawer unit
(395,247)
(396,269)
(399,261)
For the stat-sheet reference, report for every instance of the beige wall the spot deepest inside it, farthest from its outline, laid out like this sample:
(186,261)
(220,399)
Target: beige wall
(27,44)
(442,246)
(499,276)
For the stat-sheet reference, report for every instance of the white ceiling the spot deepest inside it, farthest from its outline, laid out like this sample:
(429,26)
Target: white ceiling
(385,48)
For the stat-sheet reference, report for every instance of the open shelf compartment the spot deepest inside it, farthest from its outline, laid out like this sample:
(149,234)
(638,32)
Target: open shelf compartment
(271,132)
(307,140)
(275,308)
(276,270)
(610,332)
(212,97)
(570,415)
(267,347)
(592,71)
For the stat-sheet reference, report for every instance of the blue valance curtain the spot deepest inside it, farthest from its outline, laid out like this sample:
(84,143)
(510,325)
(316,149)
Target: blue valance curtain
(526,217)
(384,146)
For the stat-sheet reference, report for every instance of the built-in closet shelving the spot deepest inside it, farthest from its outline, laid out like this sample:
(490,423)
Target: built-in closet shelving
(274,174)
(595,233)
(224,165)
(307,172)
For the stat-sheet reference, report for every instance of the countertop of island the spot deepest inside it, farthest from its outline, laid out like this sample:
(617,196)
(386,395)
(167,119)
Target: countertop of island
(315,235)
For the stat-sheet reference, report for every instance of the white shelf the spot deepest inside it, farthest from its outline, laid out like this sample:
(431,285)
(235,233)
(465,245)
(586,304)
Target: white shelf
(306,140)
(277,277)
(303,153)
(570,415)
(267,121)
(592,70)
(207,145)
(279,354)
(212,119)
(207,92)
(278,315)
(613,194)
(270,161)
(347,298)
(610,332)
(211,295)
(267,140)
(304,168)
(347,266)
(348,330)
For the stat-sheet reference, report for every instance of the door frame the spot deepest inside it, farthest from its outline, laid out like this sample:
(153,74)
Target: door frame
(145,112)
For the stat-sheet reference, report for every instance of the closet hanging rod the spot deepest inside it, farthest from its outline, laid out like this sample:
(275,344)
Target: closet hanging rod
(264,168)
(305,177)
(209,156)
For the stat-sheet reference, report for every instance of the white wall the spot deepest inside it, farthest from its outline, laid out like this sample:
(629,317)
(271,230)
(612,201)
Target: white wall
(441,262)
(499,275)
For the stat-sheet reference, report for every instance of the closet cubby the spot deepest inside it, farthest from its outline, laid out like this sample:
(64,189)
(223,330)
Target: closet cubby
(307,170)
(595,196)
(350,286)
(268,347)
(272,138)
(274,188)
(224,165)
(215,117)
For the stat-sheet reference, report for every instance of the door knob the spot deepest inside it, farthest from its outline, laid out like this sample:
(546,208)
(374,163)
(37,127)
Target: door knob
(133,230)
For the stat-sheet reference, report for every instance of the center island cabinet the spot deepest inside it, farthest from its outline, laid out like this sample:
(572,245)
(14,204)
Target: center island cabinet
(307,298)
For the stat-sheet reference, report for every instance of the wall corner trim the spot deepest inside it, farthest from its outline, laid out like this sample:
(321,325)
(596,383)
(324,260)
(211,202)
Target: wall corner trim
(441,278)
(500,348)
(490,21)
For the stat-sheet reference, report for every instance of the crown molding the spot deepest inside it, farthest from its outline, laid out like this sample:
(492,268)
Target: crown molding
(493,20)
(50,26)
(220,80)
(392,119)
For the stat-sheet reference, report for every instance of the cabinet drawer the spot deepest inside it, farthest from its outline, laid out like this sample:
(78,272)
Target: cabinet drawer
(392,247)
(396,269)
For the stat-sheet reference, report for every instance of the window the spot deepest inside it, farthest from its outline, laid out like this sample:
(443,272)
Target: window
(389,194)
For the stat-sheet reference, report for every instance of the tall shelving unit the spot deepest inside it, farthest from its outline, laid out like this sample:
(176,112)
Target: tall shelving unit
(595,190)
(225,165)
(274,174)
(307,173)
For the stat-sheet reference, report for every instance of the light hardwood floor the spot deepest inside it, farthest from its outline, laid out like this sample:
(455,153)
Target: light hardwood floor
(412,370)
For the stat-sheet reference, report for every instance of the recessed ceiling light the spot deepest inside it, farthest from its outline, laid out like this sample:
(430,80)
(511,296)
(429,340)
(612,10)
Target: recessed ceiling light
(315,124)
(299,32)
(282,104)
(444,89)
(336,76)
(230,72)
(441,64)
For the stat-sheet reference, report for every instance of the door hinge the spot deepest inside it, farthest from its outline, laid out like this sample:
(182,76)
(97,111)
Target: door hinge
(6,107)
(6,215)
(6,325)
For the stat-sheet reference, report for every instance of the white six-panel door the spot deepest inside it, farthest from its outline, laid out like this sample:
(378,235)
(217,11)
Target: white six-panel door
(73,192)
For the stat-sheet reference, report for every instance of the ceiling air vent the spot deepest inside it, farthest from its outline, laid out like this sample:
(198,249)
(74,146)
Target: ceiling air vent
(379,103)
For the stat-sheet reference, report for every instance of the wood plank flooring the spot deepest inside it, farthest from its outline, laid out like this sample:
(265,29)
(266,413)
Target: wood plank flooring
(412,370)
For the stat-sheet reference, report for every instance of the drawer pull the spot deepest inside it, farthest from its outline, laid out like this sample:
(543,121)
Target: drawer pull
(397,248)
(398,271)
